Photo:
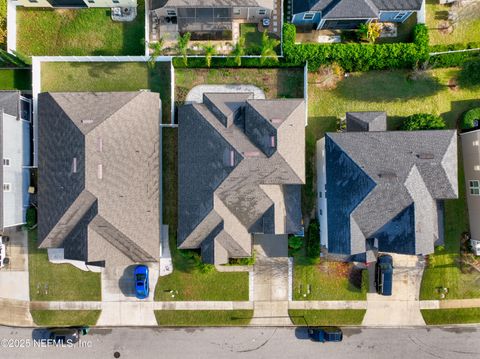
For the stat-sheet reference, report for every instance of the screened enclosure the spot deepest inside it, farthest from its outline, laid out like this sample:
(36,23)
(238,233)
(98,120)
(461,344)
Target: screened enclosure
(205,23)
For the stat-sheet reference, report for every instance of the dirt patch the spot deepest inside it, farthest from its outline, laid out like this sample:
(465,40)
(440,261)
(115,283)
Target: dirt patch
(453,84)
(445,28)
(327,77)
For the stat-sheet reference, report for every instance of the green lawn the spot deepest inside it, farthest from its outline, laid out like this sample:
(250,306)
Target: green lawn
(329,281)
(15,79)
(64,282)
(78,32)
(451,316)
(101,76)
(276,83)
(65,317)
(186,278)
(253,37)
(195,318)
(327,317)
(465,31)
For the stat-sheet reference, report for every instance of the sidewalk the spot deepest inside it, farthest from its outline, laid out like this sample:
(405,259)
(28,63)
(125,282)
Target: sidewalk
(450,303)
(15,312)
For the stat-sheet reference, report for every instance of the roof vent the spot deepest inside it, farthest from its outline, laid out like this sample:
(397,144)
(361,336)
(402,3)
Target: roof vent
(387,175)
(74,165)
(232,158)
(87,122)
(100,171)
(276,120)
(425,156)
(272,141)
(251,154)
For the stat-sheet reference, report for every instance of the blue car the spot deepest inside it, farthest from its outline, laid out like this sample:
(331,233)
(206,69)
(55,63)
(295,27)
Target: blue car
(384,275)
(325,334)
(141,281)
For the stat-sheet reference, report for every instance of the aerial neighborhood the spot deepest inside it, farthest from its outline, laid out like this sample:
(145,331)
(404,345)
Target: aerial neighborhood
(261,163)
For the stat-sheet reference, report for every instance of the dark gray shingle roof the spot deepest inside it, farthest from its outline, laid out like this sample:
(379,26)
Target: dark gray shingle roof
(366,121)
(99,170)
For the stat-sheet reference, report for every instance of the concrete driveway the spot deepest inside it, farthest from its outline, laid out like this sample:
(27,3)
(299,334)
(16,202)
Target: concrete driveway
(403,307)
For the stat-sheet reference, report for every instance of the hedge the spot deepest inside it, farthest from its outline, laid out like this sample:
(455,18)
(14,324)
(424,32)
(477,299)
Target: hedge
(313,240)
(355,56)
(469,118)
(199,62)
(456,58)
(423,121)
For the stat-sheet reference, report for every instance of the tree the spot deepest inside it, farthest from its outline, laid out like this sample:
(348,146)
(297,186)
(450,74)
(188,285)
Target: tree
(210,50)
(423,121)
(268,48)
(157,49)
(370,32)
(471,118)
(239,50)
(182,45)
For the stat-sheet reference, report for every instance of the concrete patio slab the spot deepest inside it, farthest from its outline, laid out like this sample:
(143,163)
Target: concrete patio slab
(196,93)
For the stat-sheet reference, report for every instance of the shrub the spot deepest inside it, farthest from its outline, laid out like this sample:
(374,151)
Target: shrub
(357,57)
(31,217)
(470,74)
(295,242)
(249,261)
(471,118)
(423,121)
(313,240)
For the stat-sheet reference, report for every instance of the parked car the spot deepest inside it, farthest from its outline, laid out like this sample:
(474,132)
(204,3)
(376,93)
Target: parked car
(3,258)
(64,335)
(384,274)
(325,334)
(141,281)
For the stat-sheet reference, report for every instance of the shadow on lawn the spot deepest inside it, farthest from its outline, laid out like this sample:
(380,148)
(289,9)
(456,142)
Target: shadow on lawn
(390,86)
(458,108)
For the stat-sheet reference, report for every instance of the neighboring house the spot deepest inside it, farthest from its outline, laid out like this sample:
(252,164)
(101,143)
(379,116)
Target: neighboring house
(209,19)
(471,166)
(76,3)
(241,167)
(15,147)
(384,190)
(99,175)
(349,14)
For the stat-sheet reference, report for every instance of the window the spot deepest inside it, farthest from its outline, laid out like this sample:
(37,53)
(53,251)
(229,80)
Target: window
(171,13)
(476,168)
(91,1)
(6,162)
(400,15)
(321,212)
(236,11)
(475,143)
(308,16)
(116,1)
(7,187)
(319,194)
(474,187)
(262,12)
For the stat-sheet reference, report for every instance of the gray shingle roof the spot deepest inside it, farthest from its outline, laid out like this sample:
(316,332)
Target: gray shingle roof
(112,140)
(407,167)
(349,9)
(366,121)
(222,169)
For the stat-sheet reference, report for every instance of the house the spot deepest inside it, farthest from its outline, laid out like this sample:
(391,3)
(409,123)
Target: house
(384,190)
(15,147)
(76,4)
(208,19)
(99,175)
(241,164)
(471,166)
(349,14)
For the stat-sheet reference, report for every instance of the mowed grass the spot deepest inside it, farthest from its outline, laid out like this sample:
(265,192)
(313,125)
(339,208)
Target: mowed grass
(329,281)
(451,316)
(187,282)
(61,282)
(48,32)
(276,83)
(194,318)
(465,30)
(65,317)
(327,317)
(15,79)
(110,76)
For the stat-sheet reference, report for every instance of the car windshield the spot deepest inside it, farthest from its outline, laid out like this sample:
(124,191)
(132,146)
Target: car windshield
(141,277)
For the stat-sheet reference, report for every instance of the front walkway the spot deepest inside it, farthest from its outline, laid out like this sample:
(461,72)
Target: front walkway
(403,307)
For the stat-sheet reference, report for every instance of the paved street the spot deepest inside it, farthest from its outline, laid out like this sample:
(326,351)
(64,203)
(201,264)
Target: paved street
(258,343)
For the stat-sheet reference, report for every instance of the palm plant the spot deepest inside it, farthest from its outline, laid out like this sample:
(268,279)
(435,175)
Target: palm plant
(157,49)
(268,48)
(239,50)
(182,44)
(210,50)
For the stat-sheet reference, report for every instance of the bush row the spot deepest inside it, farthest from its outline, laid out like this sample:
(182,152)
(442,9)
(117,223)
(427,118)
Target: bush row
(357,57)
(199,62)
(454,59)
(313,240)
